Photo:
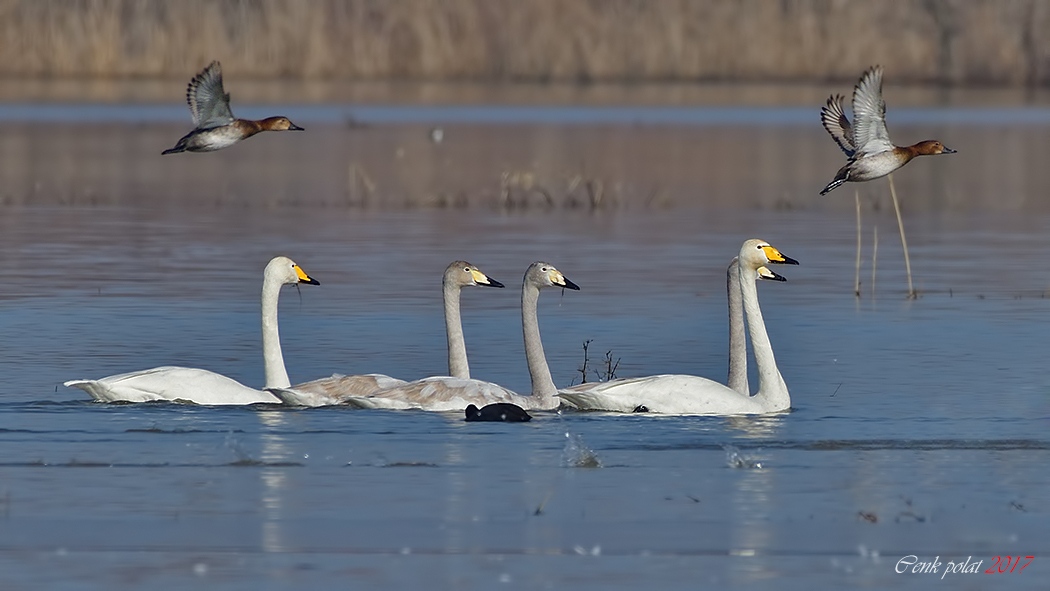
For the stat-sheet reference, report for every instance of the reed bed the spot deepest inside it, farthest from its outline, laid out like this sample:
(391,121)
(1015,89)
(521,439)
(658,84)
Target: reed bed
(945,41)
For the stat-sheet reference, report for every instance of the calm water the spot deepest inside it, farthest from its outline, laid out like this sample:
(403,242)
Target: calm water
(918,427)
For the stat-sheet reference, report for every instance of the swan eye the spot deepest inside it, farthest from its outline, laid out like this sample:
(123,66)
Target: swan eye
(466,269)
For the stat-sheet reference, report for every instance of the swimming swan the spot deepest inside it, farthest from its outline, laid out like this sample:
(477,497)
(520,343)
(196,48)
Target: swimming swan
(683,394)
(200,386)
(336,389)
(455,394)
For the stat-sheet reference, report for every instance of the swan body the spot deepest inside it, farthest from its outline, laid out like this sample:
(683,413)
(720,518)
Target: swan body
(448,393)
(685,394)
(341,389)
(200,386)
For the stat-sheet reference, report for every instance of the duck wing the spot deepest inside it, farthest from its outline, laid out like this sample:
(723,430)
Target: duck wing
(869,115)
(833,117)
(209,103)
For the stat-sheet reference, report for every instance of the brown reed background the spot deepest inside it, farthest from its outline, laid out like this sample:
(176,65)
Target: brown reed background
(979,42)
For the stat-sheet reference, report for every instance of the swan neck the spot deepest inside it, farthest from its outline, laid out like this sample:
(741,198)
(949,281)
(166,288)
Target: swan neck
(737,338)
(273,360)
(542,384)
(457,347)
(772,391)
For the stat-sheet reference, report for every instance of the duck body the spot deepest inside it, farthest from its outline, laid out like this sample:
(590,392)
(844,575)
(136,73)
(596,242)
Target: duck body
(865,140)
(215,127)
(216,138)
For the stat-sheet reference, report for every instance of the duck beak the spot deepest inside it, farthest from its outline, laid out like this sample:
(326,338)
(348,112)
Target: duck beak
(294,127)
(765,273)
(304,278)
(947,150)
(484,280)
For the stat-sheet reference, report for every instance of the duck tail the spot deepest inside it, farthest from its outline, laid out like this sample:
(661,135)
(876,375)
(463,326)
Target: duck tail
(832,186)
(841,177)
(178,148)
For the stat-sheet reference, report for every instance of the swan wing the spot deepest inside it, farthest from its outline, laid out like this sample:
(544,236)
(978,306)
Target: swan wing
(173,384)
(336,389)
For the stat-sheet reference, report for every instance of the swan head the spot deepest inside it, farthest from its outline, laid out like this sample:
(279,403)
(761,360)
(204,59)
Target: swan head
(756,253)
(764,273)
(462,274)
(543,275)
(287,272)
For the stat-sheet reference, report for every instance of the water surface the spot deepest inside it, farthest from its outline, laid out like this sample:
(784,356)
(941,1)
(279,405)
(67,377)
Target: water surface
(918,427)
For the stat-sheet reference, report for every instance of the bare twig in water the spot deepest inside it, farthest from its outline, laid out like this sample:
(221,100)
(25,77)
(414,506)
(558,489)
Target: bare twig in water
(583,368)
(610,366)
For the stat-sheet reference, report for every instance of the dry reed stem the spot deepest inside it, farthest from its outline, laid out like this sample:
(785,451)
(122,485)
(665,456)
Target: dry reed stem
(856,275)
(904,241)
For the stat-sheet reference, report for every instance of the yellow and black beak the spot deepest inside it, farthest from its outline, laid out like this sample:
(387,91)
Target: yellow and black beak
(484,280)
(561,281)
(775,256)
(304,278)
(765,273)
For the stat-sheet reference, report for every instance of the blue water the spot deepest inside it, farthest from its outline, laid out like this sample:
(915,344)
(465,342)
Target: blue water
(918,427)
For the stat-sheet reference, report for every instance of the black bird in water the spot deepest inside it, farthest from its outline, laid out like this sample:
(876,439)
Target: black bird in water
(503,412)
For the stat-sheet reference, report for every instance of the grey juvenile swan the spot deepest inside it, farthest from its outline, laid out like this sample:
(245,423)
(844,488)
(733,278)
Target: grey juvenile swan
(339,388)
(200,386)
(454,394)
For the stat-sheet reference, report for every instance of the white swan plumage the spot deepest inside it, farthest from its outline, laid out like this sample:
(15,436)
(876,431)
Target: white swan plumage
(685,394)
(200,386)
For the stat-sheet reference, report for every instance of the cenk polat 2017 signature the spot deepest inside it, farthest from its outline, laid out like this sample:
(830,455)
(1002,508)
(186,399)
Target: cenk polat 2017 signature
(1002,565)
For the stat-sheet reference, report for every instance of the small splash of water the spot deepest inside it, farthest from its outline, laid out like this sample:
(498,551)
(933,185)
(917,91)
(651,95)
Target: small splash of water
(736,459)
(576,454)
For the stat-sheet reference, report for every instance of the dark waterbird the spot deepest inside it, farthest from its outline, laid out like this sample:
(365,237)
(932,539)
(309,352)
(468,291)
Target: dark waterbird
(500,412)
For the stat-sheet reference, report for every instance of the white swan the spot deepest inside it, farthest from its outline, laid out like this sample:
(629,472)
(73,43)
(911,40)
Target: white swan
(454,394)
(683,394)
(338,388)
(200,386)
